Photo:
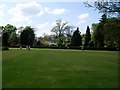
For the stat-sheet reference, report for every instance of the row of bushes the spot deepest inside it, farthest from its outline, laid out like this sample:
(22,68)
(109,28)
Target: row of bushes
(72,47)
(101,48)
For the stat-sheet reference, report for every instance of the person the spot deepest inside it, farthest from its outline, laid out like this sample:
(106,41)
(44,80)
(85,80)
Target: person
(66,45)
(83,45)
(28,47)
(20,47)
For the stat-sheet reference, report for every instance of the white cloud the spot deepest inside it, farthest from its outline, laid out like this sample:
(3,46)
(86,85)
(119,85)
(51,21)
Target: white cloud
(83,16)
(43,28)
(2,6)
(80,22)
(59,11)
(24,11)
(2,14)
(53,24)
(56,11)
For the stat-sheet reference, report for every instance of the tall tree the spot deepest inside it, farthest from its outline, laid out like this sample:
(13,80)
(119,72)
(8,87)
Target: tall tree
(68,33)
(99,32)
(10,29)
(87,36)
(27,36)
(95,34)
(76,38)
(61,30)
(112,32)
(5,38)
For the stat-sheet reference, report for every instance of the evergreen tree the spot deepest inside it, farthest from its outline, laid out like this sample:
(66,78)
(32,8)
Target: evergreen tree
(99,32)
(87,36)
(76,38)
(5,37)
(27,36)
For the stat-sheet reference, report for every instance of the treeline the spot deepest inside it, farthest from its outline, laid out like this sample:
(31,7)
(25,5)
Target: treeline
(106,33)
(12,36)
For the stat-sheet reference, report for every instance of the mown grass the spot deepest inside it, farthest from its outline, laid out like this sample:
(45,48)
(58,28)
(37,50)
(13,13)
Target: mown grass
(48,68)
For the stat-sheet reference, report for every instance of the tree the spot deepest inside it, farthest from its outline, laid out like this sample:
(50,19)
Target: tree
(112,32)
(59,31)
(27,36)
(87,36)
(76,38)
(103,18)
(1,30)
(10,29)
(95,34)
(111,8)
(99,32)
(62,31)
(5,38)
(46,39)
(68,33)
(13,39)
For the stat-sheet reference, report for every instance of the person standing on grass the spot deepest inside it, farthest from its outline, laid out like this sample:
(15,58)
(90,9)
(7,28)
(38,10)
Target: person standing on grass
(83,43)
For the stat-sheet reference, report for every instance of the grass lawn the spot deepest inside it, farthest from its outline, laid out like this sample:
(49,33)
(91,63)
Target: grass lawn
(48,68)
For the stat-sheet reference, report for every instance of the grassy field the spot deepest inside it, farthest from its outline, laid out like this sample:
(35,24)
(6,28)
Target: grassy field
(48,68)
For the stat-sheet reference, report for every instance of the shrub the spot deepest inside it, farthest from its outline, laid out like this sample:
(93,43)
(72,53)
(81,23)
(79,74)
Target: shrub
(100,48)
(5,48)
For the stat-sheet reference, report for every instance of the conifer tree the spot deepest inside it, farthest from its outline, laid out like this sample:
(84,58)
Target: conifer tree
(87,36)
(76,38)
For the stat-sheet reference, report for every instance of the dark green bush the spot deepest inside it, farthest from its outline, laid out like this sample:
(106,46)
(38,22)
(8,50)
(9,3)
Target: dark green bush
(5,48)
(72,47)
(100,48)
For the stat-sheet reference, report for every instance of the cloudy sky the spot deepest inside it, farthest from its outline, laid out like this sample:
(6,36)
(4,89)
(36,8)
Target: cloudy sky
(42,15)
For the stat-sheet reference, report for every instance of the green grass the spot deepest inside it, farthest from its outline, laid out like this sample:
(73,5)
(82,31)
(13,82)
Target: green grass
(48,68)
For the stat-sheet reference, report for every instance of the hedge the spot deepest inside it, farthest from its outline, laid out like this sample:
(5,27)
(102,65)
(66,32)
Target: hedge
(71,47)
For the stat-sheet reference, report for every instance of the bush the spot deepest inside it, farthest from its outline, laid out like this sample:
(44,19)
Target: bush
(5,48)
(71,47)
(75,47)
(100,48)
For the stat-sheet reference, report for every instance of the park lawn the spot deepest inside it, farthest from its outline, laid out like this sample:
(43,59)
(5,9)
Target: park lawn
(57,68)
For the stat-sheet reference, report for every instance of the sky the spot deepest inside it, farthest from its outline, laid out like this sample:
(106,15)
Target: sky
(43,15)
